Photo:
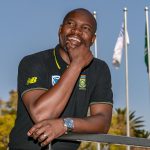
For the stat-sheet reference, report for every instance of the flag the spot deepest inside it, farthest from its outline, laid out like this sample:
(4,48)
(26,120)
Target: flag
(146,49)
(119,47)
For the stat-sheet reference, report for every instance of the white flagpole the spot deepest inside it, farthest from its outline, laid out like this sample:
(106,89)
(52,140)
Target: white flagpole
(95,53)
(49,146)
(148,44)
(126,74)
(95,42)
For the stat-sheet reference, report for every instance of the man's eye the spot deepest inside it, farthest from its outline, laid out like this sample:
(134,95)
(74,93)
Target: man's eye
(87,29)
(71,23)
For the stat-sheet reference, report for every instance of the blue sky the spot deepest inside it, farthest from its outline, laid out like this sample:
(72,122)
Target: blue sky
(29,26)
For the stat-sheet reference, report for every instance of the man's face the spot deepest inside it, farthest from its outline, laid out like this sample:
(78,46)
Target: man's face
(78,28)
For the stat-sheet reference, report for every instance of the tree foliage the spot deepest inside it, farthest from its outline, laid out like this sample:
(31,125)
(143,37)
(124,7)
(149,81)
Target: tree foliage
(118,126)
(6,124)
(7,118)
(12,102)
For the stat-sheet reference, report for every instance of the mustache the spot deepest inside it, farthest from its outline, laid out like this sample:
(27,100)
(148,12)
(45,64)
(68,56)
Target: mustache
(73,35)
(66,38)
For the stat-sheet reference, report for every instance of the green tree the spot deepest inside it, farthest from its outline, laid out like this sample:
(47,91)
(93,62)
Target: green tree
(118,123)
(136,124)
(2,106)
(118,126)
(12,102)
(87,146)
(6,124)
(7,118)
(10,106)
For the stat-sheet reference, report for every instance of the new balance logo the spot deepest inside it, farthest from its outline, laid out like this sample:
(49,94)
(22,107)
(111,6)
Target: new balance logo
(31,80)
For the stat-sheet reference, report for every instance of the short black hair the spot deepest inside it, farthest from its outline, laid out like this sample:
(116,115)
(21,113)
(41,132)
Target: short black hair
(84,10)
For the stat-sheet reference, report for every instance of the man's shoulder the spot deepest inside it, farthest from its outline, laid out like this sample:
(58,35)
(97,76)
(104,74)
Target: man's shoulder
(98,66)
(99,62)
(38,55)
(36,58)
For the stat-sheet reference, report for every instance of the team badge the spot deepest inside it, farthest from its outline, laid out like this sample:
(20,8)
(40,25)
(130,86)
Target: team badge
(82,82)
(55,79)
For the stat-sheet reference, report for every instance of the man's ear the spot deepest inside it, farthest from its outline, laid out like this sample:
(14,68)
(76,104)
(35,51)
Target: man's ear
(60,28)
(93,39)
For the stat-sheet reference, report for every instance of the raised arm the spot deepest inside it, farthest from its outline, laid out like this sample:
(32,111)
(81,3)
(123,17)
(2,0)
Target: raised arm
(49,104)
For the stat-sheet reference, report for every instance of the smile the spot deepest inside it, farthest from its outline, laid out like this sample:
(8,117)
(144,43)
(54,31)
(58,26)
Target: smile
(74,39)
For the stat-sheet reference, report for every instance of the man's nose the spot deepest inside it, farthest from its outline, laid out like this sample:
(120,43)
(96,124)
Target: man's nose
(77,30)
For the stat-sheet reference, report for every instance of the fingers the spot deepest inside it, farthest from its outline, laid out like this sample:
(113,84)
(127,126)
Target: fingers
(39,134)
(34,129)
(69,45)
(47,140)
(42,132)
(47,130)
(42,137)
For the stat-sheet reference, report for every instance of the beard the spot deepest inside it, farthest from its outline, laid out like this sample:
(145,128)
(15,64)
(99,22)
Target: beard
(70,41)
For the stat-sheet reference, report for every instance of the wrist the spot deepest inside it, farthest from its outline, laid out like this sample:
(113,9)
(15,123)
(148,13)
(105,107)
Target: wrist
(68,124)
(75,66)
(63,126)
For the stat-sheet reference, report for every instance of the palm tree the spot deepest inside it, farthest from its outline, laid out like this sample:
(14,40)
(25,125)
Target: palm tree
(119,122)
(118,125)
(136,123)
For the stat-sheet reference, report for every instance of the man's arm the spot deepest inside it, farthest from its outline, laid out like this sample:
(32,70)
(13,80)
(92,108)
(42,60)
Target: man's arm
(98,122)
(49,104)
(43,104)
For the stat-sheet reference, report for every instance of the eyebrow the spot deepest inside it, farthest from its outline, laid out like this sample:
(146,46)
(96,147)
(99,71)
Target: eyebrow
(70,19)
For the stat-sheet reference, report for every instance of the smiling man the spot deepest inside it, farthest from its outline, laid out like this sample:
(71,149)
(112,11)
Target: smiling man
(57,86)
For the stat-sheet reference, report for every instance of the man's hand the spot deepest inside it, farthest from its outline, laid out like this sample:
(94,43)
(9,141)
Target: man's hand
(47,130)
(79,55)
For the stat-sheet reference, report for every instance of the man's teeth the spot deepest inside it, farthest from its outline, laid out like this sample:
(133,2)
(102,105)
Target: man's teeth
(75,39)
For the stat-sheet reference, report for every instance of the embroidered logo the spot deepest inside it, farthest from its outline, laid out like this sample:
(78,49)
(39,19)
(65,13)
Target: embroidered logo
(82,82)
(55,79)
(31,80)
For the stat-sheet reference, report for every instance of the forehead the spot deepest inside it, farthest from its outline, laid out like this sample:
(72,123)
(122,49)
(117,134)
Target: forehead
(82,17)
